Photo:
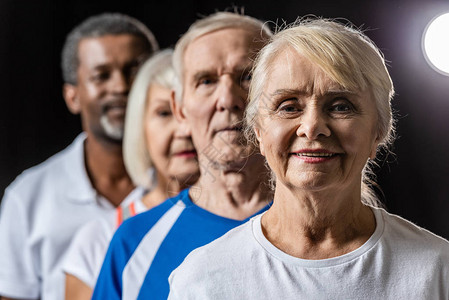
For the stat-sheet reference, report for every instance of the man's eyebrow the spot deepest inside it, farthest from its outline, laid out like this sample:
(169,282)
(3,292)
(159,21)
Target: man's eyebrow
(100,67)
(201,74)
(131,63)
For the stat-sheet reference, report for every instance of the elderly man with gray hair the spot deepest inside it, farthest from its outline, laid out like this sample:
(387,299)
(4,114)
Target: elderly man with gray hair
(44,207)
(212,61)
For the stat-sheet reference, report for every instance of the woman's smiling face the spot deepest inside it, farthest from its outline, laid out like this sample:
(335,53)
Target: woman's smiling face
(314,134)
(170,148)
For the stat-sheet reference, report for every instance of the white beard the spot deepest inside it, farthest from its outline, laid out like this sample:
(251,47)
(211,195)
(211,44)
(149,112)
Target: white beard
(113,131)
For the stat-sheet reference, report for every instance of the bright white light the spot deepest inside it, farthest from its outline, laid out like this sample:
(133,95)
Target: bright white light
(436,43)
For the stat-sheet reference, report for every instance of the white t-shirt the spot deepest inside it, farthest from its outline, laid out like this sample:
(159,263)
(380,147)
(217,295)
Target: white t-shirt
(399,261)
(40,212)
(90,244)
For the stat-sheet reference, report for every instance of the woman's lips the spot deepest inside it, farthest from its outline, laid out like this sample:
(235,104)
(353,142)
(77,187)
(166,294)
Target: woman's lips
(314,155)
(186,154)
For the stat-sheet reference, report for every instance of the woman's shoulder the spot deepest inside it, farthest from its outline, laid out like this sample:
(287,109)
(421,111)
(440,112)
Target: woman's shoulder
(412,236)
(235,241)
(215,261)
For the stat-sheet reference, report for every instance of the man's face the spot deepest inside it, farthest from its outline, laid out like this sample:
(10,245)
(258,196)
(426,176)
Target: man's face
(216,81)
(107,67)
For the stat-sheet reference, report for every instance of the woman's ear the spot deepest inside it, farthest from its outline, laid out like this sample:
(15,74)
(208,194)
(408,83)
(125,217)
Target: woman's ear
(373,152)
(70,94)
(374,147)
(257,132)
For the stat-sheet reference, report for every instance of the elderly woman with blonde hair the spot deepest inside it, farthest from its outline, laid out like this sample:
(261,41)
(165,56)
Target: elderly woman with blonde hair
(319,108)
(160,159)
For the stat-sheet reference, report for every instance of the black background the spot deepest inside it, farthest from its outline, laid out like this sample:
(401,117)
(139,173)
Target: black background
(34,122)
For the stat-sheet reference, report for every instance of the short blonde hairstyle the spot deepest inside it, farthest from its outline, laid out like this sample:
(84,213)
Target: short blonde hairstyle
(156,70)
(214,22)
(347,56)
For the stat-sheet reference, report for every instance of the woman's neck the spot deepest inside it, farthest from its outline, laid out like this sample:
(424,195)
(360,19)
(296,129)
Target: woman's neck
(164,189)
(326,223)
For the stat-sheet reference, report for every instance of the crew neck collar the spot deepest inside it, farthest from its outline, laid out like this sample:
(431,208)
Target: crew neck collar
(321,263)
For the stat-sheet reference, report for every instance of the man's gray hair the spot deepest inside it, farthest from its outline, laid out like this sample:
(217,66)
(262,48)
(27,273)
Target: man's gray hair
(98,26)
(211,23)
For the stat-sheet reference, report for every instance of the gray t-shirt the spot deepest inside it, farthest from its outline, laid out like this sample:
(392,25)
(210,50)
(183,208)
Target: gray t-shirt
(399,261)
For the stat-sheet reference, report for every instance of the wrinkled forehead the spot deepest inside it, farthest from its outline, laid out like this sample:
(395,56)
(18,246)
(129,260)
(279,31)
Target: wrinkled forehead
(290,69)
(224,50)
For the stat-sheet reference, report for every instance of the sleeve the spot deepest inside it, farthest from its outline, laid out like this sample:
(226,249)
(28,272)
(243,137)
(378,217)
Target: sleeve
(174,290)
(181,285)
(109,282)
(18,265)
(87,251)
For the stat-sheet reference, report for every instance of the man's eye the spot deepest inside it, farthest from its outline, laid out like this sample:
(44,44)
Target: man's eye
(99,77)
(205,81)
(164,113)
(130,72)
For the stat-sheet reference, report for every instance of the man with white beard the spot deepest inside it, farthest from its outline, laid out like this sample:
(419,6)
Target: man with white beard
(43,208)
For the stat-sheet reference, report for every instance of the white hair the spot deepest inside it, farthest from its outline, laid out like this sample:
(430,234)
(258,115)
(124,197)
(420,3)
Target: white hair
(214,22)
(156,70)
(347,56)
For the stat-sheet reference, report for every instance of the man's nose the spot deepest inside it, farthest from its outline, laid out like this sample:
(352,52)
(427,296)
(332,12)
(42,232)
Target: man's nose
(180,131)
(120,83)
(231,96)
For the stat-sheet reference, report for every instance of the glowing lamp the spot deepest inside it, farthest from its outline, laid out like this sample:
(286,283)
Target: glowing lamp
(435,43)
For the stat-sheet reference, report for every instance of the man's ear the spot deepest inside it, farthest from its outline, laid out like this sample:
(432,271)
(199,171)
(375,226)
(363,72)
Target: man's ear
(176,108)
(259,139)
(70,93)
(178,111)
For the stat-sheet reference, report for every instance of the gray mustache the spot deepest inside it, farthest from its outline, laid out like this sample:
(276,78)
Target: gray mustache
(108,105)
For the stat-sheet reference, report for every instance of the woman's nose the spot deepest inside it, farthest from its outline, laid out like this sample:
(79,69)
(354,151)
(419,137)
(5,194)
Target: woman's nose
(313,124)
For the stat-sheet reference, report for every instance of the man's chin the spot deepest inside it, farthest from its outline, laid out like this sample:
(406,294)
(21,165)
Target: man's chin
(116,136)
(224,165)
(113,131)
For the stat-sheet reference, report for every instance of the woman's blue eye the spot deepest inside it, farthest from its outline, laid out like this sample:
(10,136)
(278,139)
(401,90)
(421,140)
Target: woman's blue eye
(288,108)
(341,107)
(247,77)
